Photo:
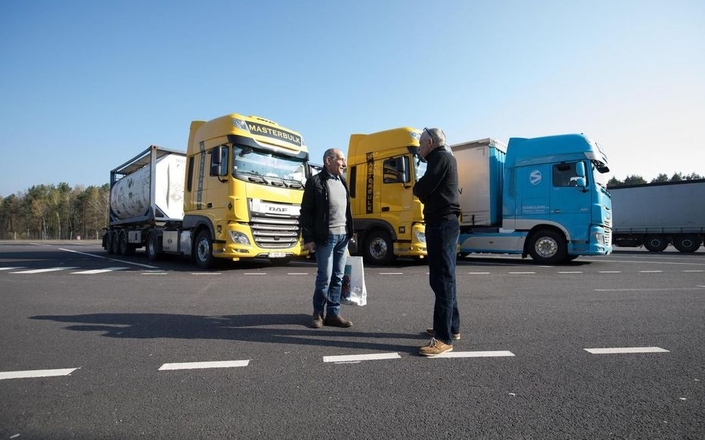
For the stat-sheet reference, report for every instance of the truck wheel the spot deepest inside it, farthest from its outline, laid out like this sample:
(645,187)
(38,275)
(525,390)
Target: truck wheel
(153,249)
(379,249)
(203,251)
(687,243)
(655,243)
(115,240)
(548,247)
(122,243)
(109,242)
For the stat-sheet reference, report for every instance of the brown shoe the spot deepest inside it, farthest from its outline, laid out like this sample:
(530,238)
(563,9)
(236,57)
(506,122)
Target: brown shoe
(434,348)
(317,320)
(430,332)
(337,321)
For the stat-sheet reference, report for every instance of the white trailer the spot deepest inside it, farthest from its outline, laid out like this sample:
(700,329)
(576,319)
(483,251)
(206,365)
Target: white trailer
(146,194)
(658,214)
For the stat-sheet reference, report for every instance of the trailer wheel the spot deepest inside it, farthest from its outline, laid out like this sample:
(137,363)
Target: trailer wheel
(123,246)
(379,249)
(687,243)
(108,238)
(655,243)
(547,246)
(203,251)
(115,242)
(153,250)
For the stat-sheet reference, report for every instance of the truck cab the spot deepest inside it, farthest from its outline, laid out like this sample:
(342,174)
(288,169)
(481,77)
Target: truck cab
(382,170)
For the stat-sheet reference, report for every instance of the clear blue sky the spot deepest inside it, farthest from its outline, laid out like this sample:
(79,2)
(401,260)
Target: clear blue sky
(86,85)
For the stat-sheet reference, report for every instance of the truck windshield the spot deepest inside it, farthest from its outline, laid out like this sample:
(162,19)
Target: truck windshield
(266,168)
(419,168)
(599,176)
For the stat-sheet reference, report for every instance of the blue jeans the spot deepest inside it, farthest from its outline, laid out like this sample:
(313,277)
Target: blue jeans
(442,247)
(330,259)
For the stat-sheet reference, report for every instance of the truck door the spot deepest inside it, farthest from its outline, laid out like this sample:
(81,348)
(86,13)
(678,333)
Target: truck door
(570,201)
(396,194)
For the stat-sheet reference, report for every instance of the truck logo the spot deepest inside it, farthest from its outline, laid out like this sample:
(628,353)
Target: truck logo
(277,209)
(535,177)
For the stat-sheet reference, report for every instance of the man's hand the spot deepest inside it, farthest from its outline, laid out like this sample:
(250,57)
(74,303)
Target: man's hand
(310,246)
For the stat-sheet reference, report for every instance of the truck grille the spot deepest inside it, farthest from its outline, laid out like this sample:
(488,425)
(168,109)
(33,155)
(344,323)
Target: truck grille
(271,232)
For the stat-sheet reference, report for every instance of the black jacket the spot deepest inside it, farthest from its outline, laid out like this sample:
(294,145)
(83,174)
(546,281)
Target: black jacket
(315,210)
(438,188)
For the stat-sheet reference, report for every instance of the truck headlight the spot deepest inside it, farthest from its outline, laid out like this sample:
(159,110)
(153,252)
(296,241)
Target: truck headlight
(600,238)
(420,236)
(239,238)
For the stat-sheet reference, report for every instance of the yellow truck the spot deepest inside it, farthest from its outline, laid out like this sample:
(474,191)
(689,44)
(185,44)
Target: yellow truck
(382,170)
(235,194)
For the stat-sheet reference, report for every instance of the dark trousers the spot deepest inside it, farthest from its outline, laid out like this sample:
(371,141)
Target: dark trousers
(442,246)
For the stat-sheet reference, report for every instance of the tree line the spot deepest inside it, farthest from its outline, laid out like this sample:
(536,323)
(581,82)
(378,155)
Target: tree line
(59,212)
(661,178)
(55,212)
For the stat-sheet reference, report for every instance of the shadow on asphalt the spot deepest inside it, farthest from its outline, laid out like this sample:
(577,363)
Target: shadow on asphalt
(268,328)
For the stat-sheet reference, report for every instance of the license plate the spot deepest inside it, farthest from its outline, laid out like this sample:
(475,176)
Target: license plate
(277,255)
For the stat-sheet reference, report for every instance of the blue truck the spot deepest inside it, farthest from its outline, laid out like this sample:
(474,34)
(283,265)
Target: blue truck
(545,197)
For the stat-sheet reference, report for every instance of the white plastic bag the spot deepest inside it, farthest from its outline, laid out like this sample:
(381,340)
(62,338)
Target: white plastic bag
(354,291)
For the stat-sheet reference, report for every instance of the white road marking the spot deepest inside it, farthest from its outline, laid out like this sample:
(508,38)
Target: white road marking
(255,273)
(153,273)
(12,268)
(96,271)
(36,373)
(354,358)
(650,271)
(297,273)
(522,273)
(474,354)
(391,273)
(479,273)
(664,289)
(111,259)
(610,271)
(206,273)
(623,350)
(51,269)
(201,365)
(571,271)
(693,271)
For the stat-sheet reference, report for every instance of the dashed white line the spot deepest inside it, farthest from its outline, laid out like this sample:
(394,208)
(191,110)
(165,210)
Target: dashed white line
(474,354)
(693,271)
(626,350)
(571,272)
(96,271)
(50,269)
(132,263)
(522,273)
(664,289)
(479,273)
(36,373)
(354,358)
(154,273)
(391,273)
(650,271)
(12,268)
(206,273)
(610,271)
(202,365)
(255,273)
(297,273)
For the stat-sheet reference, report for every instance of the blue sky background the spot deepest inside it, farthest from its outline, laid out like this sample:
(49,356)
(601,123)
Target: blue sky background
(86,85)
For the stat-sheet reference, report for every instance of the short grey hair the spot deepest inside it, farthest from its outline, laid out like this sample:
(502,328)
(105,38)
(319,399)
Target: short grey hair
(330,153)
(437,136)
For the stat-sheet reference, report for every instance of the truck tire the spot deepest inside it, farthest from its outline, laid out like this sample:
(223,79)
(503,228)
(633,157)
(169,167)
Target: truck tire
(379,249)
(655,243)
(123,246)
(153,250)
(687,243)
(115,240)
(547,246)
(203,250)
(109,242)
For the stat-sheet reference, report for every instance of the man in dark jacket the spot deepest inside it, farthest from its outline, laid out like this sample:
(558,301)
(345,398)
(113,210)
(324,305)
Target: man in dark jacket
(327,227)
(438,191)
